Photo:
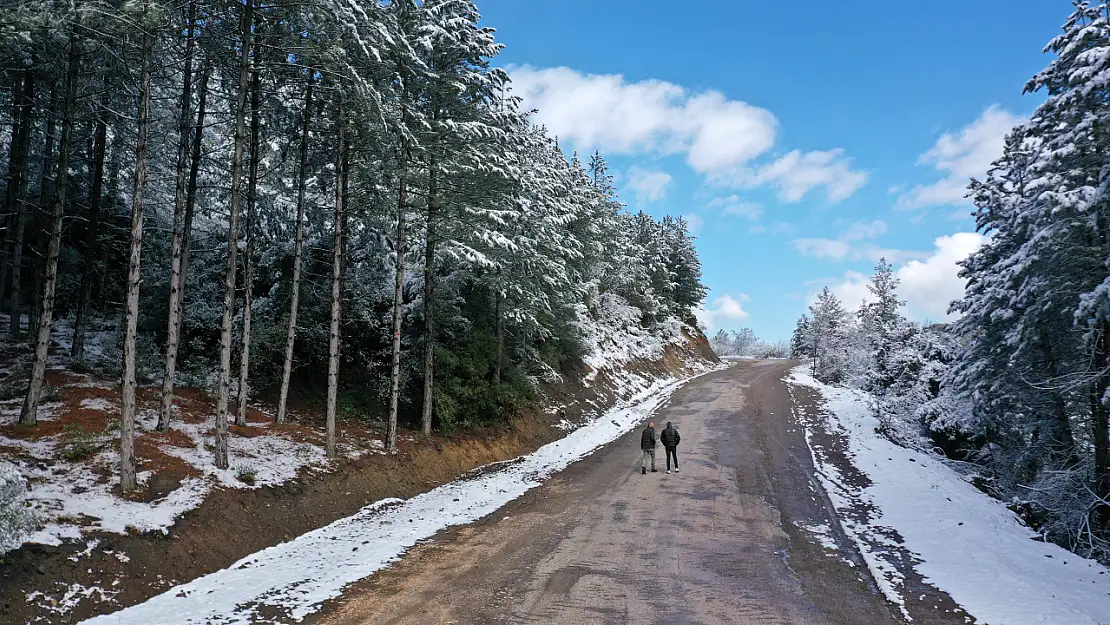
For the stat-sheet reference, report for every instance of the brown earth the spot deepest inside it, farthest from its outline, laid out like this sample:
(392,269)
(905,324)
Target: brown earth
(233,523)
(724,541)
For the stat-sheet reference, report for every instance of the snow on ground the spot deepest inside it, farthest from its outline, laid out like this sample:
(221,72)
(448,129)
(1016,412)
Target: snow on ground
(301,574)
(968,544)
(72,498)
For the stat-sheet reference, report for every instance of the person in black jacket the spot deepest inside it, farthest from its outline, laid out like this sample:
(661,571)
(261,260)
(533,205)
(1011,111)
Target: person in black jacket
(647,445)
(670,439)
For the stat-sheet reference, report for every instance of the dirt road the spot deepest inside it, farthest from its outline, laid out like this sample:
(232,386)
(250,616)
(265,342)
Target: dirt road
(724,541)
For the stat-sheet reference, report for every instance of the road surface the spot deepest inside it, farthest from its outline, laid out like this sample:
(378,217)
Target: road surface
(724,541)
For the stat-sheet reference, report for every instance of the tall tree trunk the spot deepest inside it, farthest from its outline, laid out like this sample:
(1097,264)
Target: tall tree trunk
(499,330)
(298,250)
(16,200)
(8,212)
(29,414)
(233,236)
(336,277)
(177,247)
(1100,421)
(1061,441)
(92,238)
(248,262)
(46,194)
(398,303)
(131,311)
(429,293)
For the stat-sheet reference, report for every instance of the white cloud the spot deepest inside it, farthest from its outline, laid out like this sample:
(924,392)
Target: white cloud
(927,285)
(797,173)
(719,137)
(725,312)
(930,285)
(960,156)
(852,244)
(648,186)
(605,112)
(736,206)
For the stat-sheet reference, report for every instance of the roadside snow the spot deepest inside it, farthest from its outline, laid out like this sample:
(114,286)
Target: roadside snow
(299,575)
(969,545)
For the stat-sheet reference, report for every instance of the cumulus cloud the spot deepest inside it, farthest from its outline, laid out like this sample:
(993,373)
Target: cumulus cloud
(719,137)
(726,311)
(605,112)
(853,244)
(648,186)
(928,285)
(959,156)
(797,173)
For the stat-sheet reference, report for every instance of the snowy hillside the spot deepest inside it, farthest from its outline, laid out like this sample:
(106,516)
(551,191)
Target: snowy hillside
(961,540)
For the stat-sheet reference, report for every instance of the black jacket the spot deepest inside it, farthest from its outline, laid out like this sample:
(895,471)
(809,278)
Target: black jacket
(647,439)
(669,437)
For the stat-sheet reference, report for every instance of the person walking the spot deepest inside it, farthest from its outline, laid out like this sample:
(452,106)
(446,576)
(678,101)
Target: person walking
(670,439)
(647,446)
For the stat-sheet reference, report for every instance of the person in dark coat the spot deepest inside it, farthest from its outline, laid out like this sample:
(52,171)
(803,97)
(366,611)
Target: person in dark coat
(670,439)
(647,445)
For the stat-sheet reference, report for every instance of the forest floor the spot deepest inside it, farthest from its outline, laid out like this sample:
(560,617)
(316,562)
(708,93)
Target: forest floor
(98,551)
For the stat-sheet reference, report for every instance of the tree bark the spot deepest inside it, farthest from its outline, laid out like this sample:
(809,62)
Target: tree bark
(232,237)
(16,199)
(46,194)
(1100,421)
(499,330)
(1061,441)
(131,314)
(336,278)
(429,293)
(177,247)
(398,303)
(29,413)
(298,250)
(248,262)
(92,239)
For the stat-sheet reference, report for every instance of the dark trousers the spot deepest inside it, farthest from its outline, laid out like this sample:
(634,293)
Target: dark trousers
(672,452)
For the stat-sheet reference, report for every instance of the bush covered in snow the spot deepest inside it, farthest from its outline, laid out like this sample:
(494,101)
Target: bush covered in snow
(16,519)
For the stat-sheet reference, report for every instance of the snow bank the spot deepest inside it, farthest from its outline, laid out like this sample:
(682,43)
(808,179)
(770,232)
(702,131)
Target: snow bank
(969,545)
(301,574)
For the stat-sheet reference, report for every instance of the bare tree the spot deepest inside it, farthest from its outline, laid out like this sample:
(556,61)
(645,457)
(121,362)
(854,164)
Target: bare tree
(92,238)
(398,304)
(131,309)
(429,293)
(337,273)
(298,250)
(248,261)
(177,248)
(29,413)
(16,200)
(222,391)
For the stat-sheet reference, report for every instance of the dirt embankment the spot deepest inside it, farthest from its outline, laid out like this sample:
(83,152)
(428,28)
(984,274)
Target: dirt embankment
(233,523)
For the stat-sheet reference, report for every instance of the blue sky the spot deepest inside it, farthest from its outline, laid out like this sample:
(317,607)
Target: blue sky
(801,140)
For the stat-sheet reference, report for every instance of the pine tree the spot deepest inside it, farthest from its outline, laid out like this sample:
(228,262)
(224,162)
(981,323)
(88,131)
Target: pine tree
(28,415)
